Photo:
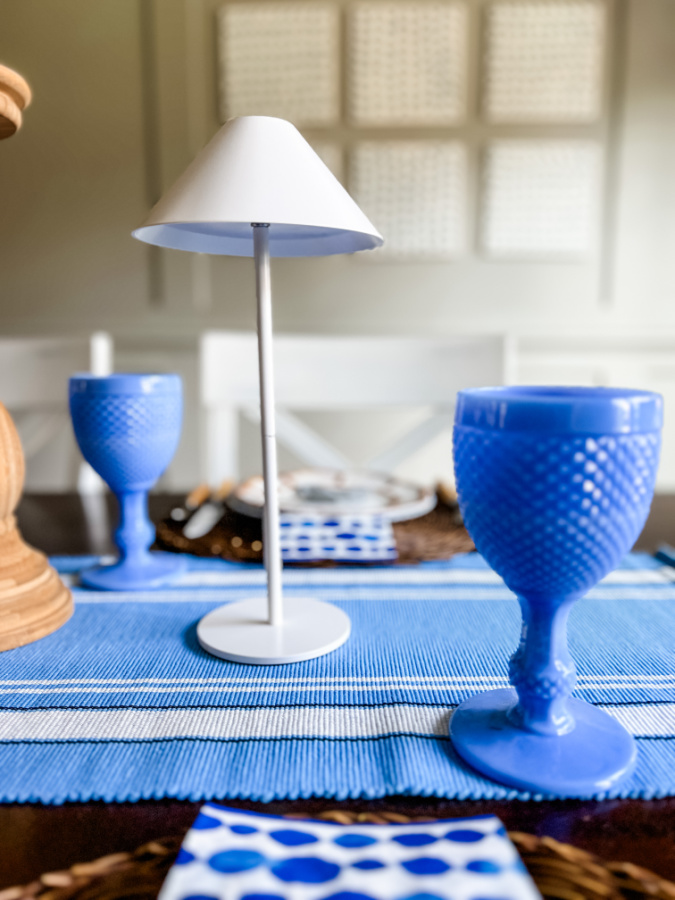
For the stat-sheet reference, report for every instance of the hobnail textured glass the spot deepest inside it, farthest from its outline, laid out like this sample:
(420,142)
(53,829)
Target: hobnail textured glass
(128,427)
(554,485)
(129,439)
(551,515)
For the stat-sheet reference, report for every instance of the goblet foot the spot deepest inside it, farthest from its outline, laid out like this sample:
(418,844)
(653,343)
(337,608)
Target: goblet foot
(240,631)
(156,570)
(591,758)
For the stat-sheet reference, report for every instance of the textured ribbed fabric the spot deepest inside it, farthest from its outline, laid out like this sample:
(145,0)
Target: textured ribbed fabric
(122,704)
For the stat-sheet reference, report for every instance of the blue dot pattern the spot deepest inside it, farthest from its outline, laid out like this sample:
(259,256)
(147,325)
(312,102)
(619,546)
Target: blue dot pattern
(293,838)
(204,822)
(426,865)
(236,860)
(355,840)
(415,840)
(366,539)
(306,870)
(246,856)
(262,897)
(484,866)
(424,896)
(200,897)
(349,895)
(465,836)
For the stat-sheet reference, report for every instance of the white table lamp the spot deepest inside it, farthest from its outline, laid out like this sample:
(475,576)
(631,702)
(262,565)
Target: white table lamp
(258,189)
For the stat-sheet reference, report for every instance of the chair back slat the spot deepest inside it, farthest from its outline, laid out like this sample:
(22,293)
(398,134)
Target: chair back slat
(318,372)
(335,373)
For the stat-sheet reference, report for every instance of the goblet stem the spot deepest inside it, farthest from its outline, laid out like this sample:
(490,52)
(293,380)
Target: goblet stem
(135,533)
(542,670)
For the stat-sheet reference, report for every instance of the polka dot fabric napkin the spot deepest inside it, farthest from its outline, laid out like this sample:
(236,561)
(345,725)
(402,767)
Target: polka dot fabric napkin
(233,855)
(358,538)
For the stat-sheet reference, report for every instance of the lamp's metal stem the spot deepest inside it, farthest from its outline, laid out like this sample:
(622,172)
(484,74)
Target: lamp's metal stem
(271,546)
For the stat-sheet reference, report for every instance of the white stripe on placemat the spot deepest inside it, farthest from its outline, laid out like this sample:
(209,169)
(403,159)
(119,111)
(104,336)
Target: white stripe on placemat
(654,720)
(377,576)
(256,688)
(386,593)
(382,594)
(270,685)
(250,724)
(396,576)
(227,723)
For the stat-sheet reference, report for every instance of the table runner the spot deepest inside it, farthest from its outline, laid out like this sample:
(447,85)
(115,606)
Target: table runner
(122,704)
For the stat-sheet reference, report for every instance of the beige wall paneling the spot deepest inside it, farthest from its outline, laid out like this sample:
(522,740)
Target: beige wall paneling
(72,180)
(644,261)
(87,269)
(75,182)
(310,295)
(170,145)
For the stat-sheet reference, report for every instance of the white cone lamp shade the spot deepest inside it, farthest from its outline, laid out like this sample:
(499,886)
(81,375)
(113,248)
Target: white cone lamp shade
(258,189)
(259,169)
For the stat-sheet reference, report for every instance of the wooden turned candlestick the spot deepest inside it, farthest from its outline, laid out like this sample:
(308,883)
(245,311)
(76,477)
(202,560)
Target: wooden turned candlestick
(15,95)
(33,599)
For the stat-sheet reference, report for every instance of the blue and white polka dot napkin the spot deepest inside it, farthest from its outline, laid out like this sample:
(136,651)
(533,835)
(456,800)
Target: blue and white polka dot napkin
(355,538)
(233,855)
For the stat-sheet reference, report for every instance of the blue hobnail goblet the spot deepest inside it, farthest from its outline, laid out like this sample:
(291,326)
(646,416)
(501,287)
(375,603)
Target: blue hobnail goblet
(554,485)
(128,427)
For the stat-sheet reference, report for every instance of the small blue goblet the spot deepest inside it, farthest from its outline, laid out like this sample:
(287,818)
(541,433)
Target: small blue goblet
(554,485)
(128,428)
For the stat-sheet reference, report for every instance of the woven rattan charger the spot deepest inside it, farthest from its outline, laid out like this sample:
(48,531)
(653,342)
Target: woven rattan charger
(560,871)
(437,535)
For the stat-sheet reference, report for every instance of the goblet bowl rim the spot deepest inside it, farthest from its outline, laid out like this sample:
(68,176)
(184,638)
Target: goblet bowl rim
(560,410)
(121,383)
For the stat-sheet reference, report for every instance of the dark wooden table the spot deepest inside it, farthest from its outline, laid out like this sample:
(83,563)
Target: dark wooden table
(36,838)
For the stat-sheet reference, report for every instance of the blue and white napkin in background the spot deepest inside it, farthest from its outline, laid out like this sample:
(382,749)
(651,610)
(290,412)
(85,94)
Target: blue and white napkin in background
(233,855)
(348,538)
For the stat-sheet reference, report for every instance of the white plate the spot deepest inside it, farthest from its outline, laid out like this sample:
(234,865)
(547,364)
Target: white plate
(337,492)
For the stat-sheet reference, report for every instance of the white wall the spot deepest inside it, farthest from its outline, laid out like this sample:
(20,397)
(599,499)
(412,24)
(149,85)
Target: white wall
(125,94)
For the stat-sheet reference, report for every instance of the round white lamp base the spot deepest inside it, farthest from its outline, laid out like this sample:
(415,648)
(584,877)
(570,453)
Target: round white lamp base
(240,631)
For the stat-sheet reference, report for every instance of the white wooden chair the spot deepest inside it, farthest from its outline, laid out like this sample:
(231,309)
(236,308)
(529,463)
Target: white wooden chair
(34,375)
(339,374)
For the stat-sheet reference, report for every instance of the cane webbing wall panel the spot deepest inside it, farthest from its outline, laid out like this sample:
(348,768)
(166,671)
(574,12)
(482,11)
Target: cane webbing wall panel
(414,192)
(388,91)
(540,197)
(543,60)
(407,63)
(280,59)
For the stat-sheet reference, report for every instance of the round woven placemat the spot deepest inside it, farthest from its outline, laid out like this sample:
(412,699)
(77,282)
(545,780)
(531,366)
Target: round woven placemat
(437,535)
(560,871)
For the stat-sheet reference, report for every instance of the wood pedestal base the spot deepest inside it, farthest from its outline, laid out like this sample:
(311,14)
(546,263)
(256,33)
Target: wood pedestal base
(33,599)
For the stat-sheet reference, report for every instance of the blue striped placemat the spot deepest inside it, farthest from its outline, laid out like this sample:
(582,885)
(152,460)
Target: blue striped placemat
(122,704)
